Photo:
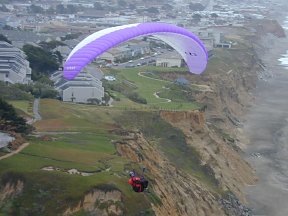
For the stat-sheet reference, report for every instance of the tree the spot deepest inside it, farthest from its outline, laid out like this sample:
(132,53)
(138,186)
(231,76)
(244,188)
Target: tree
(59,57)
(10,120)
(42,62)
(51,44)
(4,38)
(12,92)
(134,96)
(42,88)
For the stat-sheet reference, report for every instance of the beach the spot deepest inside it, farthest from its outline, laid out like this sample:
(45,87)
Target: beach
(266,125)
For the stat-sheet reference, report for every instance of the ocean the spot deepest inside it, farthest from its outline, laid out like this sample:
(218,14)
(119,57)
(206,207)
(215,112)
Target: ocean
(284,58)
(266,126)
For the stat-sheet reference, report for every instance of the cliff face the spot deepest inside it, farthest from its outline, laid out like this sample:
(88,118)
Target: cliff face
(232,87)
(229,168)
(194,161)
(180,193)
(212,133)
(266,26)
(98,202)
(10,190)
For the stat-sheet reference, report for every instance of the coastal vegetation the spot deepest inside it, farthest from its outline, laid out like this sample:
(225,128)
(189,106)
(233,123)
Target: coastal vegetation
(42,62)
(11,121)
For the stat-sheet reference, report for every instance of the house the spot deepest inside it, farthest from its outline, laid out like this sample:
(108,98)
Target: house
(169,59)
(116,54)
(127,51)
(14,68)
(92,14)
(84,88)
(139,47)
(64,50)
(20,38)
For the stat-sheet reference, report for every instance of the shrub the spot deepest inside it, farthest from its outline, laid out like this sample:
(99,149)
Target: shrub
(134,96)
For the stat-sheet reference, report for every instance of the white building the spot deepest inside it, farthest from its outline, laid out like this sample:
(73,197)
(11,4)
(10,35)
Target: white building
(14,68)
(126,51)
(169,59)
(116,54)
(85,88)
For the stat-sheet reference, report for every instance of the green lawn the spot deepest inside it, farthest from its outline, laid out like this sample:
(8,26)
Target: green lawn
(25,106)
(147,87)
(89,150)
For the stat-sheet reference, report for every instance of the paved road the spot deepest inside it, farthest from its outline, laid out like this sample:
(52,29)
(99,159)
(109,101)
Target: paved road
(5,139)
(37,116)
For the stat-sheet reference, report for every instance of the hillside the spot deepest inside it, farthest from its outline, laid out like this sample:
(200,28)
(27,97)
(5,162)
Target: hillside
(77,162)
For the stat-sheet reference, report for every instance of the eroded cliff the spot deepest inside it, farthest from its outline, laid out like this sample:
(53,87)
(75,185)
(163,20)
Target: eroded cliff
(179,192)
(211,138)
(99,202)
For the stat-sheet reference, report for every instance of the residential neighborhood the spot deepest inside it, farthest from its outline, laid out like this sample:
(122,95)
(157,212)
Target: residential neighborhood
(143,107)
(70,21)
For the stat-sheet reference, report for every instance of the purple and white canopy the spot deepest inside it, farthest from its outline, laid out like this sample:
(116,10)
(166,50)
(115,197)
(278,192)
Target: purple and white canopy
(184,42)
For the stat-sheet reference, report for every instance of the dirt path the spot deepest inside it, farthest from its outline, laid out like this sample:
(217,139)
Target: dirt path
(156,93)
(24,145)
(157,96)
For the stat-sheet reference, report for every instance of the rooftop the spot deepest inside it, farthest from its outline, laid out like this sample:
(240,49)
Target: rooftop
(170,55)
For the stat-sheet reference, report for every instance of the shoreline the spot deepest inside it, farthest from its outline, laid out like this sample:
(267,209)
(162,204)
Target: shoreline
(266,126)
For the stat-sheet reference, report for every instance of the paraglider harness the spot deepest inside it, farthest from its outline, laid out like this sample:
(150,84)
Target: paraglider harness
(139,183)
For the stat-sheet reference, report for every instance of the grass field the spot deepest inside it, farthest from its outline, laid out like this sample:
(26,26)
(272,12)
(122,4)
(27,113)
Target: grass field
(23,107)
(79,137)
(88,150)
(147,87)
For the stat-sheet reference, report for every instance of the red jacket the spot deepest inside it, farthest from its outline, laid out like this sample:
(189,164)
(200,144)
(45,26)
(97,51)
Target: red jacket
(136,184)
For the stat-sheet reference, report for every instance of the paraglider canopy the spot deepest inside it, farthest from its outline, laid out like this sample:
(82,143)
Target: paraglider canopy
(183,41)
